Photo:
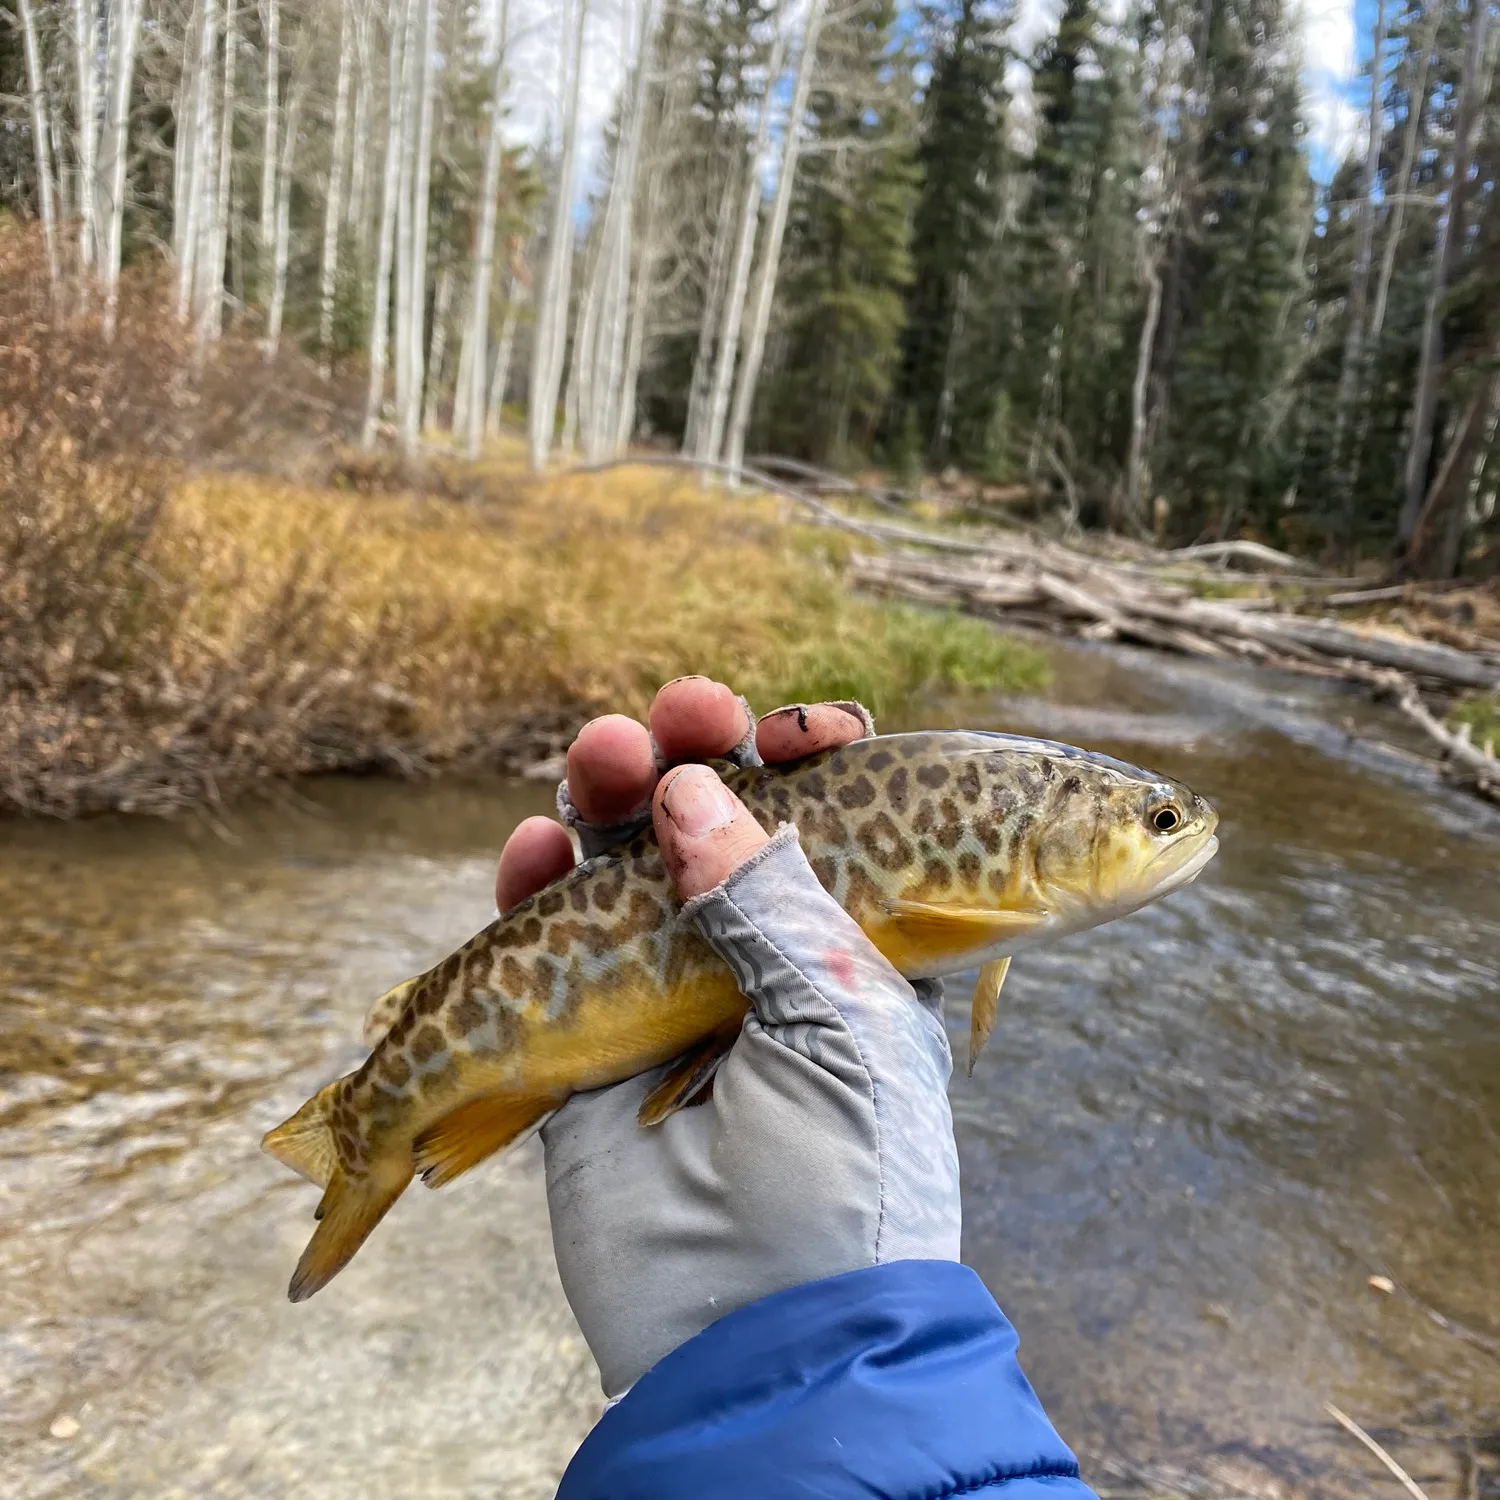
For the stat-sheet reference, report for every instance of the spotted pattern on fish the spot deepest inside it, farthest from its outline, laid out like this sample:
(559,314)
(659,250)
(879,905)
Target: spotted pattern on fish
(595,979)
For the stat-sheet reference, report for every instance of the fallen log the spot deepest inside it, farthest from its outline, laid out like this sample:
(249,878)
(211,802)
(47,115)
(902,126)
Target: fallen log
(1476,768)
(1255,554)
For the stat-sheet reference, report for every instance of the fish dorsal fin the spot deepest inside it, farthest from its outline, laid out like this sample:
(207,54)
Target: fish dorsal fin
(475,1130)
(686,1078)
(918,933)
(986,1003)
(386,1011)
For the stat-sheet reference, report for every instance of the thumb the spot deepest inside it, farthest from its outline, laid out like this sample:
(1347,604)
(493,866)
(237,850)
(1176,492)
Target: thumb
(704,830)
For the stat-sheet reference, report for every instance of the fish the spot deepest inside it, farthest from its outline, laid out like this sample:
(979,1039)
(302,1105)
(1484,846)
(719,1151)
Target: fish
(951,850)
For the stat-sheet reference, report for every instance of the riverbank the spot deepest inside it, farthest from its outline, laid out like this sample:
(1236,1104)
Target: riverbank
(170,638)
(1196,1135)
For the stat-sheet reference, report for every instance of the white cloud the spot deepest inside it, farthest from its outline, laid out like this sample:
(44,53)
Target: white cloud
(1327,30)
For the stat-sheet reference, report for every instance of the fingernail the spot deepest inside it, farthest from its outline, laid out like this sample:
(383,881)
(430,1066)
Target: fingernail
(688,677)
(698,802)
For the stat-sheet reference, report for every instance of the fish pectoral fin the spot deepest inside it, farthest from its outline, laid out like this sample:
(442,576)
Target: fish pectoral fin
(475,1130)
(686,1078)
(386,1011)
(985,1006)
(937,929)
(351,1208)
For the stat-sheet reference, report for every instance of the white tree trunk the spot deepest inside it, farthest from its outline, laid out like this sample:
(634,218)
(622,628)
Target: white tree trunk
(41,138)
(1135,466)
(123,34)
(500,377)
(210,318)
(1450,231)
(421,192)
(363,141)
(208,279)
(271,25)
(712,436)
(468,395)
(552,307)
(380,319)
(336,166)
(401,293)
(200,176)
(182,155)
(442,302)
(606,351)
(765,286)
(1402,183)
(713,303)
(86,124)
(283,224)
(1364,241)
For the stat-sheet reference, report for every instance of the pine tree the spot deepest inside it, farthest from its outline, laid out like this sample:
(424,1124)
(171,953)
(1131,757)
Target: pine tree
(846,263)
(1066,291)
(960,156)
(1225,459)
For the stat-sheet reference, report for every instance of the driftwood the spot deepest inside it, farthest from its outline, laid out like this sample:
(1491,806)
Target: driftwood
(1047,586)
(1126,591)
(1252,554)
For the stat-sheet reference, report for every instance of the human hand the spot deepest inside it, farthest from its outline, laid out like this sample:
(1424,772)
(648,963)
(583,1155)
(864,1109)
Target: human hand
(827,1144)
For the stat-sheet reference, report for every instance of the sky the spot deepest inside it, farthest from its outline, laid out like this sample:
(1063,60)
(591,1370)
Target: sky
(1335,38)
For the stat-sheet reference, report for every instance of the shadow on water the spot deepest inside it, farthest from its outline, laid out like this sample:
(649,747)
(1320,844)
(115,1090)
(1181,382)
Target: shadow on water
(1195,1136)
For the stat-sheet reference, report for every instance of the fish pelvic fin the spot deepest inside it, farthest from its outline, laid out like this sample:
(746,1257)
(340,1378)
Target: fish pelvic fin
(352,1206)
(386,1011)
(686,1078)
(476,1129)
(305,1142)
(985,1007)
(915,934)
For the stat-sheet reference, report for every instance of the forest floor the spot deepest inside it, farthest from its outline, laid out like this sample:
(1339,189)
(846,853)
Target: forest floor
(169,637)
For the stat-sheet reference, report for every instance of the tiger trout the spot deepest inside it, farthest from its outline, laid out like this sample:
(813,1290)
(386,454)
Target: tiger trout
(950,849)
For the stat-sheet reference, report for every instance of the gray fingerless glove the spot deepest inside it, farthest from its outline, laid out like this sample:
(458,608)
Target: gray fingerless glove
(827,1145)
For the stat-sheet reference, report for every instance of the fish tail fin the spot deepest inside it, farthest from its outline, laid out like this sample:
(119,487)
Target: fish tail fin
(305,1143)
(352,1206)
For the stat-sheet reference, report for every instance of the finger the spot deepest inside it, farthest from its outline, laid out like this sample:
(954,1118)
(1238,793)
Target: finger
(534,855)
(704,830)
(611,769)
(694,718)
(791,733)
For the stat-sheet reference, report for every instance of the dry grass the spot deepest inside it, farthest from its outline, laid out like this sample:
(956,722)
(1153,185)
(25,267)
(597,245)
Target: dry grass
(168,642)
(179,627)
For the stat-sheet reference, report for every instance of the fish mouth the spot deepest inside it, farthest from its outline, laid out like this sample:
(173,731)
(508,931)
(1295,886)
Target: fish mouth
(1188,871)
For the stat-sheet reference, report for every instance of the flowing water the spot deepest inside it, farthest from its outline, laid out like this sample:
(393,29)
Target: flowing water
(1195,1137)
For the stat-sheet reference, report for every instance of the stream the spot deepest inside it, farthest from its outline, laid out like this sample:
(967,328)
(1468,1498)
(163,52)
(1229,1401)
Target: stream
(1195,1137)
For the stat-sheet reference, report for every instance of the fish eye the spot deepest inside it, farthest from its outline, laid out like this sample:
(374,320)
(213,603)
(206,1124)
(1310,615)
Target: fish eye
(1167,819)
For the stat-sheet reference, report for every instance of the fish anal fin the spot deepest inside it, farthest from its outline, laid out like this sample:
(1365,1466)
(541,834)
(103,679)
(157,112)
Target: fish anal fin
(686,1078)
(386,1011)
(352,1206)
(476,1129)
(305,1142)
(916,933)
(985,1007)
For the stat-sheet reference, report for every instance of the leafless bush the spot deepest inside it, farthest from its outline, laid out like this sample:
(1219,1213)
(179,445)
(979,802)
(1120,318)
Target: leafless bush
(149,390)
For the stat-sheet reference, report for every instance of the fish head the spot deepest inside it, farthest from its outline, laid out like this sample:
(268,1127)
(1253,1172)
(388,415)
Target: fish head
(1114,838)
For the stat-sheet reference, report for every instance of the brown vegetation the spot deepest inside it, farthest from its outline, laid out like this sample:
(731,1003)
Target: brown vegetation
(173,630)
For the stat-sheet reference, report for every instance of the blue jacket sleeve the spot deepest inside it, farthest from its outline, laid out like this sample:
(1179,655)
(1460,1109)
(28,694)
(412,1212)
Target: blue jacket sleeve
(899,1382)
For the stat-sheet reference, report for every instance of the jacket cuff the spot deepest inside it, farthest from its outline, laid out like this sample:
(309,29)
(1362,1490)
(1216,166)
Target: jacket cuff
(898,1380)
